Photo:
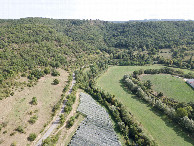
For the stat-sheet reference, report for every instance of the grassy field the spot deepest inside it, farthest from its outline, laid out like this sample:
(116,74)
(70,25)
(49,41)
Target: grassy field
(155,125)
(185,71)
(165,53)
(171,86)
(17,109)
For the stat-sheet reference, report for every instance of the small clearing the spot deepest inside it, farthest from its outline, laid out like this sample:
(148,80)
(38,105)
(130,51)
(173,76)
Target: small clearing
(166,53)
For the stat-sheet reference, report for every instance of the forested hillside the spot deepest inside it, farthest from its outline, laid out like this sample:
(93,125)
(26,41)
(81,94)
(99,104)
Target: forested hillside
(30,43)
(148,35)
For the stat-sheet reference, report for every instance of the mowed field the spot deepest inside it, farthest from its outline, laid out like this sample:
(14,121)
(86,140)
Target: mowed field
(171,86)
(154,124)
(17,110)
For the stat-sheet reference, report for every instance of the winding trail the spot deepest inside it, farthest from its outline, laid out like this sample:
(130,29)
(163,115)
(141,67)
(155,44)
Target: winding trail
(57,120)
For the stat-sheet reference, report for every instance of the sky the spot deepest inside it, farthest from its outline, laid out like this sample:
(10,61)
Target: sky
(109,10)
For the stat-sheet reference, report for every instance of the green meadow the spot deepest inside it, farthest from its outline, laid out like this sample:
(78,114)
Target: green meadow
(155,124)
(171,86)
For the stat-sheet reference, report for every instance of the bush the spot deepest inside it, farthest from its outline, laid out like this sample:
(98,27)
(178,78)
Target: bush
(47,71)
(33,119)
(170,112)
(50,141)
(13,144)
(13,133)
(20,129)
(34,101)
(23,75)
(71,122)
(35,74)
(55,81)
(4,124)
(62,119)
(32,137)
(12,93)
(181,112)
(188,123)
(55,73)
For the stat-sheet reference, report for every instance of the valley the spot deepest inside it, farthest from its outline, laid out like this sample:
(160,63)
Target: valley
(132,73)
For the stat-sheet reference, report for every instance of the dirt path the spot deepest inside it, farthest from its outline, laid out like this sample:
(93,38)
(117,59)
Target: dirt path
(63,129)
(55,123)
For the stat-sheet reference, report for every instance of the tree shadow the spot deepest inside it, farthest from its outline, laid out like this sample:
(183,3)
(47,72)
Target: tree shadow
(168,122)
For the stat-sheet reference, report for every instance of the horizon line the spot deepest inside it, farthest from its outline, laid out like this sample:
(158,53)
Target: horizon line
(151,19)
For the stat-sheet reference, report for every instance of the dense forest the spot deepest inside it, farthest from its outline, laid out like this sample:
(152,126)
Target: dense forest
(30,43)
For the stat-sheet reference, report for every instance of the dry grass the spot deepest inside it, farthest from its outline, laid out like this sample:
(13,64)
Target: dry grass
(16,109)
(166,53)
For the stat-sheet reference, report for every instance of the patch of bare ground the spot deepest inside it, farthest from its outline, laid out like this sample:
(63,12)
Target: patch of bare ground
(17,110)
(67,133)
(142,75)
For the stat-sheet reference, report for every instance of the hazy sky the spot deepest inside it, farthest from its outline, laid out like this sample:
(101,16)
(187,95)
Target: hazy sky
(98,9)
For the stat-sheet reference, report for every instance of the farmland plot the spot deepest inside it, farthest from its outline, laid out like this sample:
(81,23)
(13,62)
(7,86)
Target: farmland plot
(155,125)
(97,128)
(171,86)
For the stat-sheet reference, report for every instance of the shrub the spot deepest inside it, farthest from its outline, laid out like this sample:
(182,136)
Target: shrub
(23,75)
(20,129)
(34,101)
(170,112)
(4,124)
(13,133)
(47,71)
(181,112)
(12,93)
(161,106)
(55,81)
(35,74)
(33,119)
(71,122)
(50,141)
(55,73)
(13,144)
(140,93)
(77,115)
(62,119)
(121,126)
(188,123)
(32,137)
